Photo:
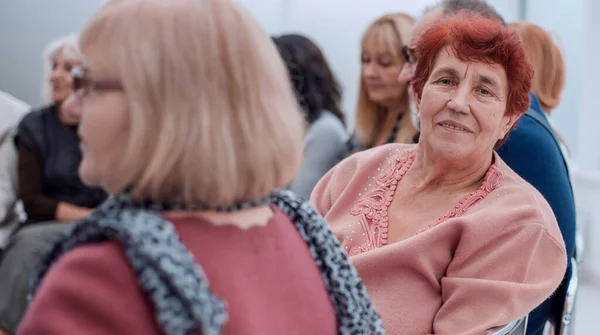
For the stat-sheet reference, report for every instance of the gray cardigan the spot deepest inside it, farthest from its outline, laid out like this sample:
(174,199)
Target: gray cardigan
(325,144)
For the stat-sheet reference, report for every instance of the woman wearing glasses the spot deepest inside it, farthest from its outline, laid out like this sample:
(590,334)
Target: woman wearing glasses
(49,186)
(382,113)
(188,119)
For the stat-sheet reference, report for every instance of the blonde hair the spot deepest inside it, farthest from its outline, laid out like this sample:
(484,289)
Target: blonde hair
(69,48)
(389,32)
(213,118)
(548,64)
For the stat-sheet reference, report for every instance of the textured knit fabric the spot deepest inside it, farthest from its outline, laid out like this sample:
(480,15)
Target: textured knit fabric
(325,144)
(489,261)
(171,281)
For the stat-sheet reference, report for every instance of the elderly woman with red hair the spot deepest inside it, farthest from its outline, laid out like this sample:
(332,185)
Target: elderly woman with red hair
(446,237)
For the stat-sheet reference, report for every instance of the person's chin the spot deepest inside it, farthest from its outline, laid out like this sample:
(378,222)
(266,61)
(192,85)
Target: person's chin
(60,96)
(86,174)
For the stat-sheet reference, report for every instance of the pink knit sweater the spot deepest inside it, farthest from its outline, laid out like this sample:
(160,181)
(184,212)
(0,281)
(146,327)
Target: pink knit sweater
(488,262)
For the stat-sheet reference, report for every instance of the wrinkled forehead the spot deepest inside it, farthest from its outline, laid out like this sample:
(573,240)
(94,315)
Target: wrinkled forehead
(448,62)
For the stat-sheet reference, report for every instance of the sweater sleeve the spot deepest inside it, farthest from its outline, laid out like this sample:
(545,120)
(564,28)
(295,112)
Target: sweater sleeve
(324,146)
(8,187)
(533,154)
(91,290)
(493,282)
(30,179)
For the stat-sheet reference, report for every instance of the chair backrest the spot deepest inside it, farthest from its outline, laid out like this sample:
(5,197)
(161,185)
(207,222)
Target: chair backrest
(518,327)
(566,324)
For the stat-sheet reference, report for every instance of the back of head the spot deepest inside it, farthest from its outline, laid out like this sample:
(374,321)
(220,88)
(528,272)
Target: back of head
(548,63)
(451,7)
(315,84)
(212,117)
(473,38)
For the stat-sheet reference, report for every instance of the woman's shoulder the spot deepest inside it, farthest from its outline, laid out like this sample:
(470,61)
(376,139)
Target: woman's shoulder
(96,276)
(36,118)
(516,202)
(328,123)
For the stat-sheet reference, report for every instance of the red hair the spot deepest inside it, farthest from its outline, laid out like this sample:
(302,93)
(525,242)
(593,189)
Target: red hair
(474,38)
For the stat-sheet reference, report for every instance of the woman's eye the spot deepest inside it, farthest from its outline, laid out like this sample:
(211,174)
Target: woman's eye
(484,91)
(445,81)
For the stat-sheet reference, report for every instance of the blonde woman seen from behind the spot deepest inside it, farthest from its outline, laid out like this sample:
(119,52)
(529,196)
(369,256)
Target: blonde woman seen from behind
(189,121)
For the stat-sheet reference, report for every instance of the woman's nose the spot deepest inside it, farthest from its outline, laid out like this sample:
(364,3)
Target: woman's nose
(459,101)
(369,71)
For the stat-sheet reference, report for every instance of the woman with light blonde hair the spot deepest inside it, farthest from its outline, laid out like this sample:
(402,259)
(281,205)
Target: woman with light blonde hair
(382,112)
(189,120)
(48,184)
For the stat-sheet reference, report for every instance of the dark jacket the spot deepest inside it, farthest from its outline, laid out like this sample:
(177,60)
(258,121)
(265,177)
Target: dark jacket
(533,152)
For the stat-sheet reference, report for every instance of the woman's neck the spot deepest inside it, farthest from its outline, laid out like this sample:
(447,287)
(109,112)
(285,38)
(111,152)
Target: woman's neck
(243,219)
(394,107)
(432,173)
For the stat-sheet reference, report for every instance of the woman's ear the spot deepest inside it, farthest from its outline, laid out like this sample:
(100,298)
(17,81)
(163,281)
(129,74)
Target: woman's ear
(507,123)
(417,101)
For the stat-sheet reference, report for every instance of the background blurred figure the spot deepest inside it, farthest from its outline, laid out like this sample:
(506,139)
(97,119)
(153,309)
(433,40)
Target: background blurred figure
(549,65)
(49,152)
(11,212)
(48,181)
(11,111)
(189,120)
(553,179)
(382,112)
(319,94)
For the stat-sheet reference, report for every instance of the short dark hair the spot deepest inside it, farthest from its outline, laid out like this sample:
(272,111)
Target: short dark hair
(480,7)
(315,85)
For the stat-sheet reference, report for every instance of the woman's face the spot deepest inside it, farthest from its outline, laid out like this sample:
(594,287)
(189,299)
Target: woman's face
(462,108)
(61,80)
(379,73)
(103,129)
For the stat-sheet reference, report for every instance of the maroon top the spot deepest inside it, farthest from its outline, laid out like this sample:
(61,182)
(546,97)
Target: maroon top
(266,275)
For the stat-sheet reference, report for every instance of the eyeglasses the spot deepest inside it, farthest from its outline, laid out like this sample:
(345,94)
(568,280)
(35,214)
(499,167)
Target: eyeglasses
(408,52)
(83,84)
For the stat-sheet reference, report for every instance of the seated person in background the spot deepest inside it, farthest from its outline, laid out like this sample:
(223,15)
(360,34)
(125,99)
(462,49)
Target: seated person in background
(193,142)
(49,186)
(446,237)
(538,154)
(382,110)
(49,152)
(11,112)
(319,94)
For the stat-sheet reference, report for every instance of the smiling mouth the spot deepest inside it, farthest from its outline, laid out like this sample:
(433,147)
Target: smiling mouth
(454,126)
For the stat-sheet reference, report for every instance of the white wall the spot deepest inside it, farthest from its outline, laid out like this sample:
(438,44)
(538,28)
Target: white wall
(566,20)
(336,25)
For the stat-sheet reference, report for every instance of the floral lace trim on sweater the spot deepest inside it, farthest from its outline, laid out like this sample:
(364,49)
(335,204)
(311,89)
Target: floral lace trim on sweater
(371,208)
